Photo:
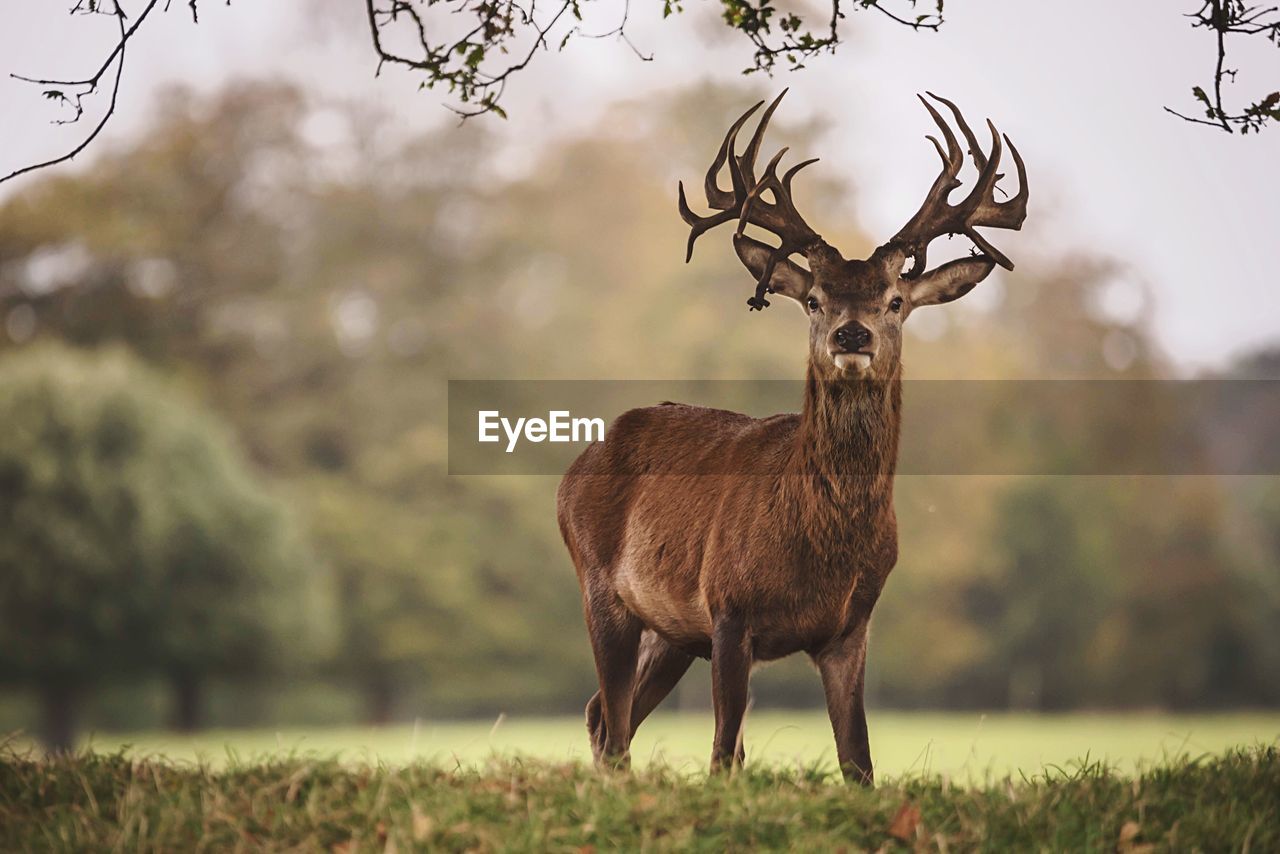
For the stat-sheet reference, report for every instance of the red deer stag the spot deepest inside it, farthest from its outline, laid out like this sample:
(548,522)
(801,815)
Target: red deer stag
(786,547)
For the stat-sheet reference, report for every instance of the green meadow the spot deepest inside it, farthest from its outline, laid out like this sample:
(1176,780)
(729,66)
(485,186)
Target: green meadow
(967,746)
(946,782)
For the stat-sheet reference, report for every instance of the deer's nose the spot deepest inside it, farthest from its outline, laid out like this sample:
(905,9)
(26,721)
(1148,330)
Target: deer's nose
(852,337)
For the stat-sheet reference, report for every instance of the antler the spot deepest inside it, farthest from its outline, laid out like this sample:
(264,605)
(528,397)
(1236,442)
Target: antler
(744,203)
(937,216)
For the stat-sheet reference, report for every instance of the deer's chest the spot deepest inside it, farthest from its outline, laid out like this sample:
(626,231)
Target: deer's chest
(816,597)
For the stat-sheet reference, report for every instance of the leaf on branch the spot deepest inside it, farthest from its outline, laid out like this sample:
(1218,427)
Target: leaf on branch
(1234,17)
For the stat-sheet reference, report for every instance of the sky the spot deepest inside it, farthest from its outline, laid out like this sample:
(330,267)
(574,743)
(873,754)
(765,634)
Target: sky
(1194,212)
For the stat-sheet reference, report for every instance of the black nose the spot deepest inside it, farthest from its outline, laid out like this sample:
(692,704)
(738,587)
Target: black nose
(853,336)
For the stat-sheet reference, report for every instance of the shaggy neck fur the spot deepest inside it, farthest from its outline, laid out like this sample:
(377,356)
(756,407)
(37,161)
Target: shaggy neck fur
(841,468)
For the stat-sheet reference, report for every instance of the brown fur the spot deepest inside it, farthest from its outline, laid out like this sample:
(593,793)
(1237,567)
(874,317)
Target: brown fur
(703,533)
(788,543)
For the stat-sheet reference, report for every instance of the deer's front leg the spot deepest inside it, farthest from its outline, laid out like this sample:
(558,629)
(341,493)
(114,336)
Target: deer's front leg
(730,678)
(843,669)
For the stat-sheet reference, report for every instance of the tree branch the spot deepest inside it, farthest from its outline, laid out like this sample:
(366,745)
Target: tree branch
(465,64)
(460,64)
(118,54)
(1234,17)
(89,84)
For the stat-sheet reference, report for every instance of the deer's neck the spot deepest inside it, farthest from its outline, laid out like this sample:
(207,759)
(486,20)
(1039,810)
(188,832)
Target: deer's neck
(846,452)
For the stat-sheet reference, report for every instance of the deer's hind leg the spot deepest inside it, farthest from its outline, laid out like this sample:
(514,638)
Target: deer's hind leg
(615,642)
(661,667)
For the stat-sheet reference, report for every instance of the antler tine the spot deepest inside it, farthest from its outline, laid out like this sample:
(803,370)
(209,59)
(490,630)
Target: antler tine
(948,179)
(954,158)
(716,197)
(781,218)
(975,151)
(767,182)
(985,186)
(786,179)
(745,204)
(757,302)
(725,199)
(1011,212)
(700,225)
(725,202)
(747,162)
(741,176)
(937,216)
(981,197)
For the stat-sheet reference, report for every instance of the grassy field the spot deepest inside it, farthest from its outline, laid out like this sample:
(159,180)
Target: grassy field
(1128,783)
(111,802)
(964,747)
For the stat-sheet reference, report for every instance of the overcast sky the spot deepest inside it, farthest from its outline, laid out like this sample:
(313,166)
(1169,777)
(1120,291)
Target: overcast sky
(1196,212)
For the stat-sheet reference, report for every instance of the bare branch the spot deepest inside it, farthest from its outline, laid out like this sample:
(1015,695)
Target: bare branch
(1234,17)
(460,65)
(125,35)
(620,31)
(111,108)
(89,86)
(795,41)
(505,36)
(922,22)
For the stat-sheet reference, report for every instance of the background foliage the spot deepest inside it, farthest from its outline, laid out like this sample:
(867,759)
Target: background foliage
(314,292)
(135,540)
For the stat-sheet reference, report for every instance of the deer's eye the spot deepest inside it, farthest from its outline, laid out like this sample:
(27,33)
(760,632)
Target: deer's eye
(896,305)
(813,304)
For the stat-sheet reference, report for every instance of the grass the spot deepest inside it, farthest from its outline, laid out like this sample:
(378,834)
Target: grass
(94,801)
(1128,783)
(964,747)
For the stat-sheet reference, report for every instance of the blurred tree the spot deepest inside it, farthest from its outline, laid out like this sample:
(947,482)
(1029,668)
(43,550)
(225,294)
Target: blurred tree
(1053,593)
(387,288)
(1251,517)
(134,540)
(1254,526)
(320,288)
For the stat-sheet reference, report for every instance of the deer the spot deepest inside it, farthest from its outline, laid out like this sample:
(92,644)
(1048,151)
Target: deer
(705,533)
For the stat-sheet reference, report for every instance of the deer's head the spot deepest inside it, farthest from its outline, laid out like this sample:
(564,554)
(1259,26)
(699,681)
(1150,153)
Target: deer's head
(856,308)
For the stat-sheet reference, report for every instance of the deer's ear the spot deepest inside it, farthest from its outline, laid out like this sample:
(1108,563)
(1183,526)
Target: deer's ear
(949,282)
(788,279)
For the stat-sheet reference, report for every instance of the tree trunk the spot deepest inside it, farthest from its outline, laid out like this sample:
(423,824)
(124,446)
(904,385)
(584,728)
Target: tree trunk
(186,702)
(380,700)
(58,717)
